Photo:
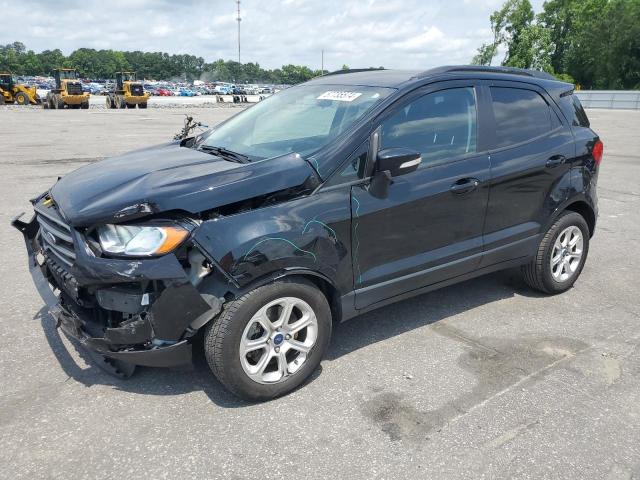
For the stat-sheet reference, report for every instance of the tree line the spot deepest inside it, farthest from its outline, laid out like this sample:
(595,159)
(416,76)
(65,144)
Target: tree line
(102,64)
(594,43)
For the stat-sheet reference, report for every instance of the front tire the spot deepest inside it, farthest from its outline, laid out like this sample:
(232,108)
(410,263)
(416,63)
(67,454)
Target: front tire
(22,98)
(269,341)
(561,255)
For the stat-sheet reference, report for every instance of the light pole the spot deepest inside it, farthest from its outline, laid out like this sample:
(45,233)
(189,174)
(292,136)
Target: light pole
(239,20)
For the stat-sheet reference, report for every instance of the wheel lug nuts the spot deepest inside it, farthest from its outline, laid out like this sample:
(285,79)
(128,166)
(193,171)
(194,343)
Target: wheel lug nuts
(288,337)
(277,349)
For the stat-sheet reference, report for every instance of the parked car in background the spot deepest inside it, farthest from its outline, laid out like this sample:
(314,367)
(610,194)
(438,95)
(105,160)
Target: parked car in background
(163,92)
(223,89)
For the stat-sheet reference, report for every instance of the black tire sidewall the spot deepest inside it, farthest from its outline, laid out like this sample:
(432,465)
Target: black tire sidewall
(567,220)
(234,373)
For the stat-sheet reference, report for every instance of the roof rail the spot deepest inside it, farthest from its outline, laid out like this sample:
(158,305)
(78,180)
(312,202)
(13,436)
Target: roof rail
(353,70)
(488,69)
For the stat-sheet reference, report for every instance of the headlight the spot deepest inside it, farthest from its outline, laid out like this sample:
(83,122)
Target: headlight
(140,241)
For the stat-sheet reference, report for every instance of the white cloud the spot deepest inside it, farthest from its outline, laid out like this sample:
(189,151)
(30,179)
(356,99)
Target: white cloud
(360,33)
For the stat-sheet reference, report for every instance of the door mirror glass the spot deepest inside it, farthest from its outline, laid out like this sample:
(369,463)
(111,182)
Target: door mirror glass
(398,161)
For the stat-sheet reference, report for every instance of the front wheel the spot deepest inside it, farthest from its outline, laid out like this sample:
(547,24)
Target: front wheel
(269,341)
(561,255)
(22,98)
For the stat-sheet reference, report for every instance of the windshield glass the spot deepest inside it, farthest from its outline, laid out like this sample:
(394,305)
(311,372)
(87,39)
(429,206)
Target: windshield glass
(299,119)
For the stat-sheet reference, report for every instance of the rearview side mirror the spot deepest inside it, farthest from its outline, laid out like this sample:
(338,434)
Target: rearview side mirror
(398,161)
(392,162)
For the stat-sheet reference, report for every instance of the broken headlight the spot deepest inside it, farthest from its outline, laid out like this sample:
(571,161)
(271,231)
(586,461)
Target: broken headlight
(133,240)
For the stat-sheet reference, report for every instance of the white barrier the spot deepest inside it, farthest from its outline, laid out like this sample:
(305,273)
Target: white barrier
(614,99)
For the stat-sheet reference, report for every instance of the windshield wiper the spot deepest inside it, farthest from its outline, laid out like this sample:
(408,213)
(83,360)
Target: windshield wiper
(223,152)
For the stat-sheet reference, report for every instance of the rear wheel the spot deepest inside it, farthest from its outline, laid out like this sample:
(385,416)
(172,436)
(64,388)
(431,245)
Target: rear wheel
(561,255)
(142,105)
(58,101)
(2,100)
(22,98)
(269,341)
(84,105)
(130,105)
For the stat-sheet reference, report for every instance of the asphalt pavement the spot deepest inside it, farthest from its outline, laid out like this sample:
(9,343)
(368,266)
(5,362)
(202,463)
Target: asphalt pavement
(485,379)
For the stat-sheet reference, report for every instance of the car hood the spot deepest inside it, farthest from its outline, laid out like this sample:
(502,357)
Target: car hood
(169,177)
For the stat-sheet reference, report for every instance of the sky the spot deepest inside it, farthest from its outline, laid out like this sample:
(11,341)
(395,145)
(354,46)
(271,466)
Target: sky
(358,33)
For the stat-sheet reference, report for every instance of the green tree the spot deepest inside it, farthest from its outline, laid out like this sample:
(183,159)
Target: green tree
(507,26)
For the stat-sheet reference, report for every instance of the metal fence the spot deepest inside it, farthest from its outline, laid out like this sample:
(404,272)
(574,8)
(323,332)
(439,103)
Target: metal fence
(616,99)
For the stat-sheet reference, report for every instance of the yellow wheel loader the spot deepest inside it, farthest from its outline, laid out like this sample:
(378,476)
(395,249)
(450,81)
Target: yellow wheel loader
(12,92)
(67,91)
(127,92)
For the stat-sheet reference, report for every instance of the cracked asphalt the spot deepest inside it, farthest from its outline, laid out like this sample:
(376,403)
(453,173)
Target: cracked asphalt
(485,379)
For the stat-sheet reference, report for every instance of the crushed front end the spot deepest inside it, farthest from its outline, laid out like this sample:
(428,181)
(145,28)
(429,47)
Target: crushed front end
(130,311)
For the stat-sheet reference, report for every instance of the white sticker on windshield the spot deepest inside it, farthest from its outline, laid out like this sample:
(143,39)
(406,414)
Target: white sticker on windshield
(339,96)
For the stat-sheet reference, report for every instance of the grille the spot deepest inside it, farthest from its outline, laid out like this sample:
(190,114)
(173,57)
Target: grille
(137,90)
(55,235)
(74,88)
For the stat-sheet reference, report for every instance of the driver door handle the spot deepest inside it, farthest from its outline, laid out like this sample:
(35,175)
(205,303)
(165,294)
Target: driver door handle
(464,185)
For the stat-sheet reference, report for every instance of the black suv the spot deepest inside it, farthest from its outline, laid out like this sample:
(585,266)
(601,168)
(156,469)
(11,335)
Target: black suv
(343,194)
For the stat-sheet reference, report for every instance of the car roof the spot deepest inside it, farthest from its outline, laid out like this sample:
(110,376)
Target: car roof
(403,78)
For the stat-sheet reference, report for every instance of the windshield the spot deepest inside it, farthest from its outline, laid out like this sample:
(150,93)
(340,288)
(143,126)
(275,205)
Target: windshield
(299,119)
(67,74)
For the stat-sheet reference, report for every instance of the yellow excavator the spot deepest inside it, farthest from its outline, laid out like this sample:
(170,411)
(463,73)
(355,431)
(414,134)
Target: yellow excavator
(67,91)
(127,92)
(12,92)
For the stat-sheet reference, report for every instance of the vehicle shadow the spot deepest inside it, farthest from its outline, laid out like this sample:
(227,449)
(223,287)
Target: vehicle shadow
(348,337)
(386,322)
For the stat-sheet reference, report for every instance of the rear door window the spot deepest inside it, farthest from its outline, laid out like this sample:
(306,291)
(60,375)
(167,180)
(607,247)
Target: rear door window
(520,115)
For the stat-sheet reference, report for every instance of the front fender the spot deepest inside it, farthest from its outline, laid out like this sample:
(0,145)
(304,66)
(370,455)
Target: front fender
(310,233)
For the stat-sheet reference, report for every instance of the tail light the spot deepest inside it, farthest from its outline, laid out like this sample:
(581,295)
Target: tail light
(597,152)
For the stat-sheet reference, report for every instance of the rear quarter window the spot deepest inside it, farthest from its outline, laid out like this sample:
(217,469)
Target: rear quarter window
(520,115)
(573,110)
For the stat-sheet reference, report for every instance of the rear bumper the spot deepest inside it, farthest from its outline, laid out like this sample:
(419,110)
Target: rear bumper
(136,99)
(75,99)
(159,337)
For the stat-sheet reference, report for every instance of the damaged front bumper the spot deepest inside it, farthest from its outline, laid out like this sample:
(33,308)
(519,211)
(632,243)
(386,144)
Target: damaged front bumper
(150,328)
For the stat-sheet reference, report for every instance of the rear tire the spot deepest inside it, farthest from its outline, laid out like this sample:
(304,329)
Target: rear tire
(142,105)
(269,317)
(2,100)
(84,105)
(561,255)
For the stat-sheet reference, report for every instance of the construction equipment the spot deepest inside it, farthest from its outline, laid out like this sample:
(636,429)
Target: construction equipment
(12,92)
(127,92)
(67,91)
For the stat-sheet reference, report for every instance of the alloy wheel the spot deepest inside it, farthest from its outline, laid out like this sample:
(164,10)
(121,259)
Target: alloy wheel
(566,254)
(277,340)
